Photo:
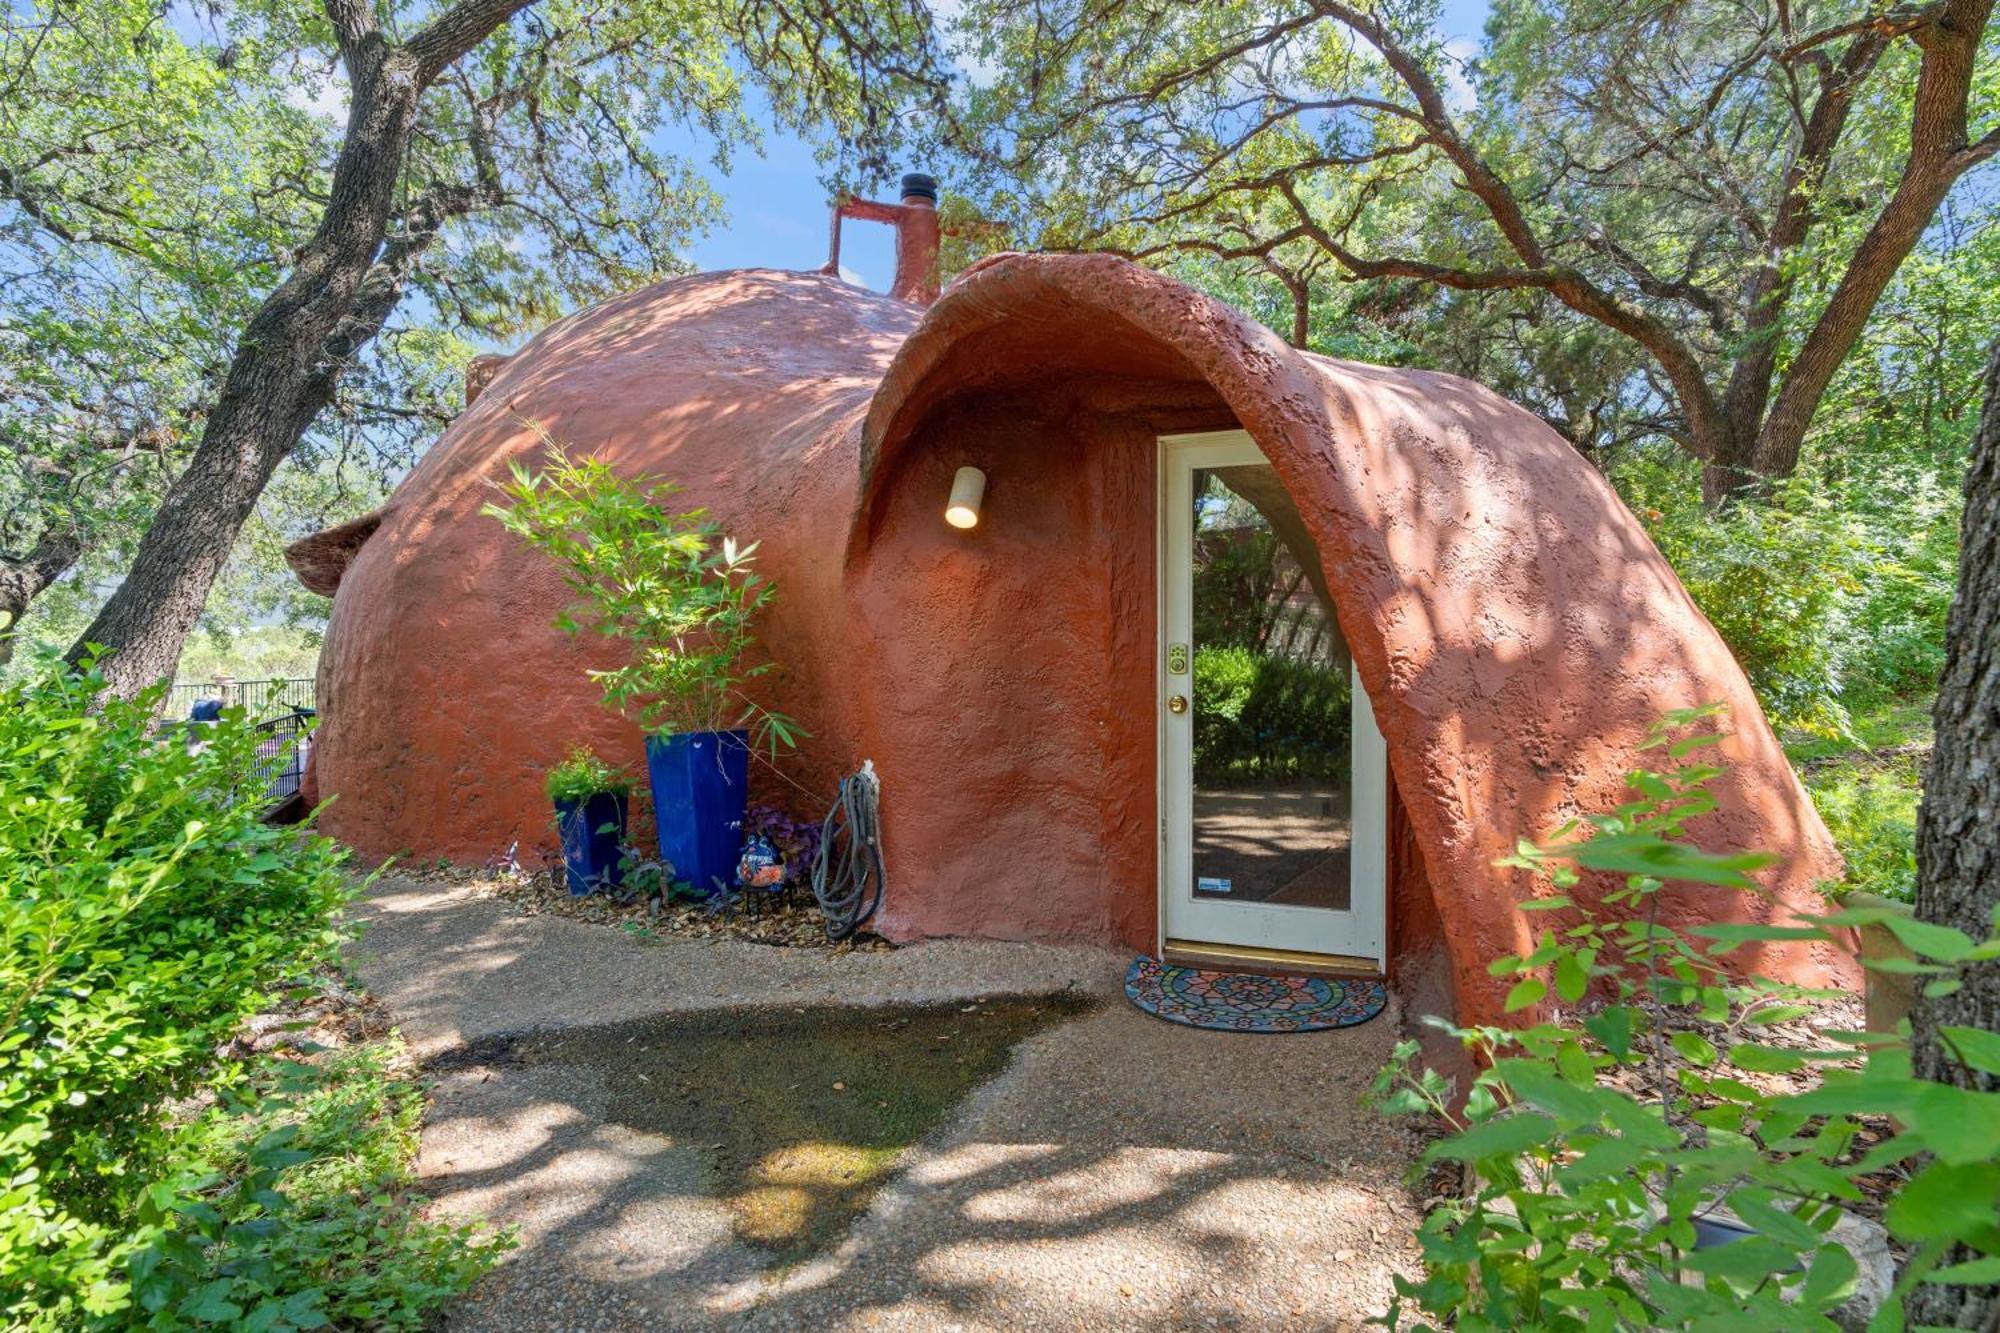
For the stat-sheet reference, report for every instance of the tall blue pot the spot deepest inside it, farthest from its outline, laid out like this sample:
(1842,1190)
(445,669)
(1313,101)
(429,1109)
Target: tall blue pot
(701,787)
(593,841)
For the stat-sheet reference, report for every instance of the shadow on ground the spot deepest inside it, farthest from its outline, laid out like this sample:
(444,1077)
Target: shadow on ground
(800,1113)
(1094,1170)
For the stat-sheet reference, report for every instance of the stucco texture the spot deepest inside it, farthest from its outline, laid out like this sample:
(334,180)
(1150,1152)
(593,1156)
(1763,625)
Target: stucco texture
(1514,626)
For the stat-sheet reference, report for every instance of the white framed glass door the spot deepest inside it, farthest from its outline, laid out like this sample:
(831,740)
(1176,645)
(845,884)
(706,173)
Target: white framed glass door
(1273,774)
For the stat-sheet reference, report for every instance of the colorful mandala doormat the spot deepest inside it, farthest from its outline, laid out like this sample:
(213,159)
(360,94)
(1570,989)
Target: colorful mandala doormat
(1240,1002)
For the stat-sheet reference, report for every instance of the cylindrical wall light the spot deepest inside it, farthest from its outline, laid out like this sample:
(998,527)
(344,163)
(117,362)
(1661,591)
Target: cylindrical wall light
(968,488)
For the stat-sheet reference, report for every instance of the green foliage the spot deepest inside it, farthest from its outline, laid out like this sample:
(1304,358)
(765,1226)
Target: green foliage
(1258,716)
(582,775)
(287,1207)
(148,911)
(1832,592)
(1870,807)
(678,593)
(162,171)
(1582,1215)
(1507,206)
(1781,582)
(1867,788)
(143,199)
(1908,524)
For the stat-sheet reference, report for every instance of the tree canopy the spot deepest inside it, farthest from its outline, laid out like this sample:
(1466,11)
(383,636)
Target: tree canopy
(1722,193)
(210,274)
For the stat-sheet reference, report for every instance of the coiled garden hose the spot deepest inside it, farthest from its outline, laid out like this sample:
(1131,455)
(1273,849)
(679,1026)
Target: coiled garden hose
(848,878)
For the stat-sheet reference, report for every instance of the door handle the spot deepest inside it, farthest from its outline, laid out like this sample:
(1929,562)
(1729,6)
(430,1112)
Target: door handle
(1177,703)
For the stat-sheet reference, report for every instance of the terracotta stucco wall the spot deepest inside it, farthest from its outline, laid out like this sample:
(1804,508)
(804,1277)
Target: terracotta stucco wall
(446,691)
(1011,671)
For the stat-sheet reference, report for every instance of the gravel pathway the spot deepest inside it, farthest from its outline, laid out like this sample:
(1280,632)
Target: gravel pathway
(1124,1173)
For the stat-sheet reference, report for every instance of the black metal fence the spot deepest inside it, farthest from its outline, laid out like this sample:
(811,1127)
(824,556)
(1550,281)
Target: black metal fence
(281,709)
(282,753)
(260,700)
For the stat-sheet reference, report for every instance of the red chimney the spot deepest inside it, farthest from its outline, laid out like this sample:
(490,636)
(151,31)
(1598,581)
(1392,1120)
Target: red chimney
(916,222)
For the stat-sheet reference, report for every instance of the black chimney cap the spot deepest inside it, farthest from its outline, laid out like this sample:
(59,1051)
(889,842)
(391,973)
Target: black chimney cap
(917,185)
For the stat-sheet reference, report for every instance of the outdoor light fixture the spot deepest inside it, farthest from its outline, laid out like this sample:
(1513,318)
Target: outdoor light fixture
(967,489)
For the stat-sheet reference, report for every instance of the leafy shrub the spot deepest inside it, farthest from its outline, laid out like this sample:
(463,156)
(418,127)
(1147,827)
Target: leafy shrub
(679,593)
(1586,1197)
(1781,583)
(148,911)
(582,774)
(1832,593)
(1258,716)
(286,1208)
(1906,593)
(1223,680)
(1871,810)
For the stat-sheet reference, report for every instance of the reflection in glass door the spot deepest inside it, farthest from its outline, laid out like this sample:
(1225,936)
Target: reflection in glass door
(1272,769)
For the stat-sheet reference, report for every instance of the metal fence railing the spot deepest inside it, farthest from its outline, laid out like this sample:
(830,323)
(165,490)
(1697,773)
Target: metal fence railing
(282,711)
(282,753)
(259,699)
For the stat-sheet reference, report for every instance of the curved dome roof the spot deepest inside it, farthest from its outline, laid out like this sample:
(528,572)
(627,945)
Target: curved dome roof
(1515,627)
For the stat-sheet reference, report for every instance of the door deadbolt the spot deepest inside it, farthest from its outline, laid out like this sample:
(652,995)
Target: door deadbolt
(1177,703)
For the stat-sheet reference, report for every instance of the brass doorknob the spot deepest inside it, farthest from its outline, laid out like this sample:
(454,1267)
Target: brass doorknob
(1177,703)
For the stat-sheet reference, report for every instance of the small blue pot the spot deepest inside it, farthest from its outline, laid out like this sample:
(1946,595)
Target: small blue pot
(593,841)
(701,790)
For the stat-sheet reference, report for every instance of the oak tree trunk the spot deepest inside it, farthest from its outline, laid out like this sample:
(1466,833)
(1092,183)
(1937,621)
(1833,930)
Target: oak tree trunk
(1958,828)
(283,373)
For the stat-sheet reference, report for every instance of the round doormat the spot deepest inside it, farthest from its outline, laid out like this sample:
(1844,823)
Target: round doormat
(1240,1002)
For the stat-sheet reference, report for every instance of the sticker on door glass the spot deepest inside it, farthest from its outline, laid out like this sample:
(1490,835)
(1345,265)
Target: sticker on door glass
(1211,884)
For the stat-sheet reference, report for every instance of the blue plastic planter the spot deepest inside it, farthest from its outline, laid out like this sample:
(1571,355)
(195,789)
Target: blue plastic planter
(593,841)
(701,787)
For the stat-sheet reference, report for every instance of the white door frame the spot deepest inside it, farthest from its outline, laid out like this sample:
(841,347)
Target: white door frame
(1357,933)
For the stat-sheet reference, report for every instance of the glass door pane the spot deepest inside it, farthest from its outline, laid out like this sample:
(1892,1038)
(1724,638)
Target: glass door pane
(1272,701)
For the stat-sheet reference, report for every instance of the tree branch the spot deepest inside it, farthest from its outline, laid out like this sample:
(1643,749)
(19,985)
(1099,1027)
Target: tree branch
(1939,154)
(451,34)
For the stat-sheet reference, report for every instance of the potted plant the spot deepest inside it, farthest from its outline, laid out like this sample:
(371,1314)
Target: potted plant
(682,596)
(591,799)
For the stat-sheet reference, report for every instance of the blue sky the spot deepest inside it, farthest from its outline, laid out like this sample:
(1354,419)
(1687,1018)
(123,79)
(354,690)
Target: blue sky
(777,209)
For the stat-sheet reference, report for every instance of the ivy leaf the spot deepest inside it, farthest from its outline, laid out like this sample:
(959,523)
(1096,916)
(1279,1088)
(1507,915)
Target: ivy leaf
(1613,1028)
(1939,942)
(1693,1047)
(1572,978)
(1648,854)
(1747,1260)
(1765,1059)
(1776,1013)
(210,1303)
(1971,1273)
(1831,1278)
(1961,1126)
(1781,1226)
